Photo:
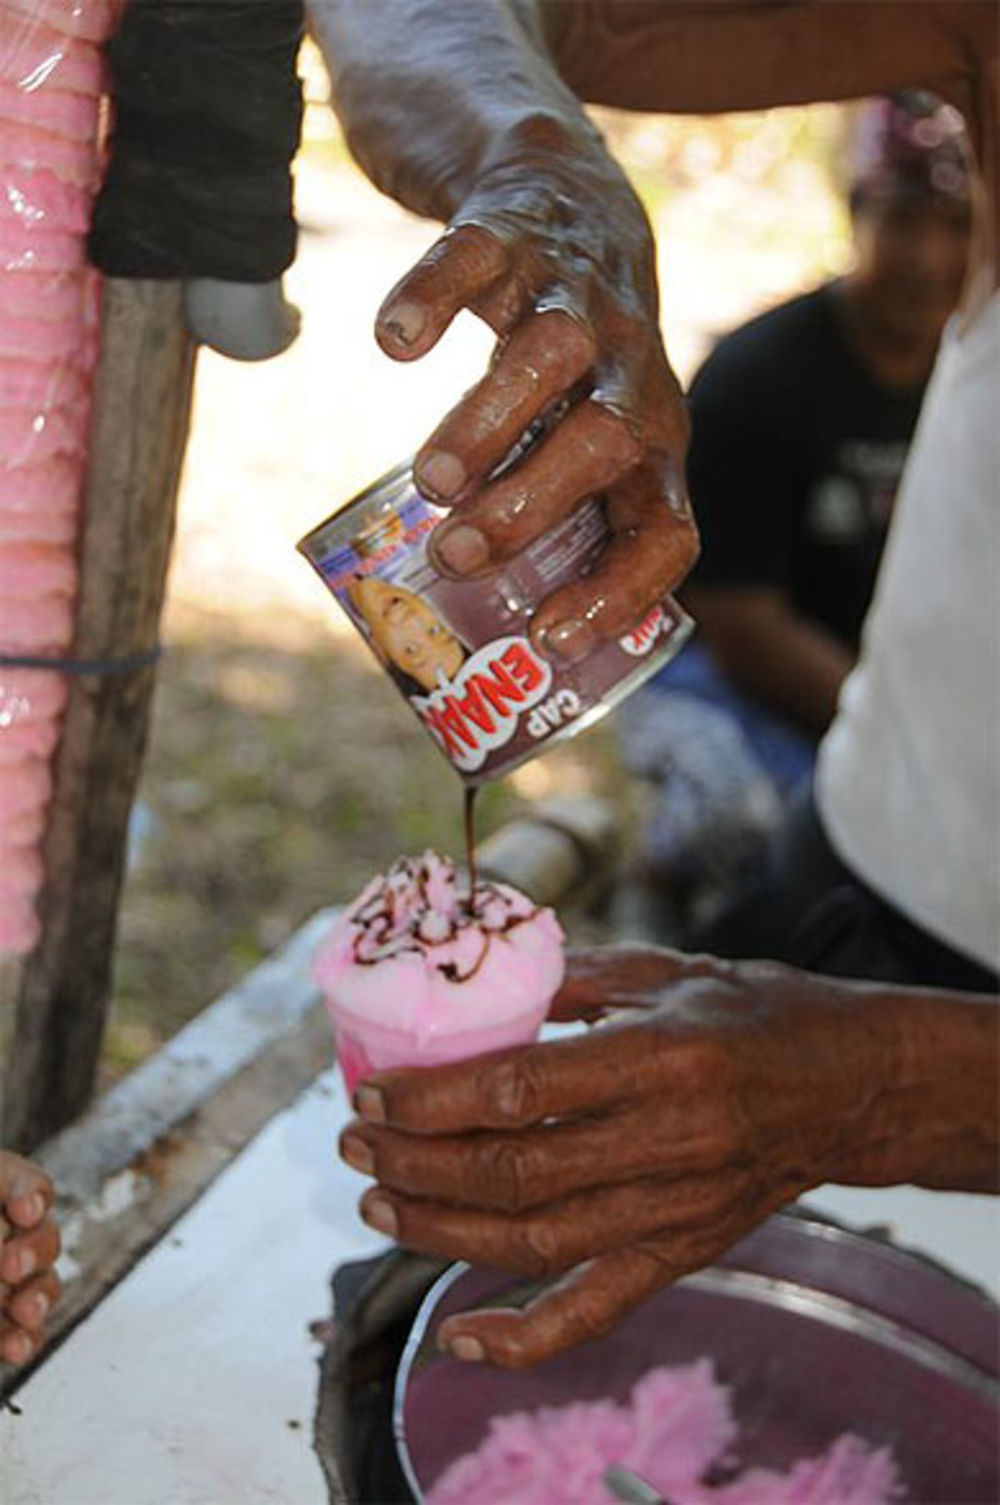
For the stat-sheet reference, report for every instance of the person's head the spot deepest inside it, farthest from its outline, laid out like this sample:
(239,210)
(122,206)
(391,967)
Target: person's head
(910,202)
(405,631)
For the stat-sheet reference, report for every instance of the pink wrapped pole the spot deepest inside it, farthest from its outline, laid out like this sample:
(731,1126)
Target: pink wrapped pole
(51,88)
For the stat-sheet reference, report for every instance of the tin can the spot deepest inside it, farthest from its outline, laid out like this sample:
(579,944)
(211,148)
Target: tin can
(459,650)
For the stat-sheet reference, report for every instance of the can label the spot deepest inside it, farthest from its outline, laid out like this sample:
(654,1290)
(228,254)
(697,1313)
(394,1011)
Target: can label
(459,650)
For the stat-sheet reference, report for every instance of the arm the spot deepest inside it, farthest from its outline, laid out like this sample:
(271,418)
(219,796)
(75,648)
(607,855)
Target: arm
(458,111)
(703,56)
(769,650)
(625,1158)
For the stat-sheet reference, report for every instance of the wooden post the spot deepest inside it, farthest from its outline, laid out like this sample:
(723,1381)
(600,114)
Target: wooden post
(57,999)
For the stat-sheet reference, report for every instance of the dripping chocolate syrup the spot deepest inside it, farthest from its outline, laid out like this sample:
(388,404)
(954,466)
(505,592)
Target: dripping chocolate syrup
(470,839)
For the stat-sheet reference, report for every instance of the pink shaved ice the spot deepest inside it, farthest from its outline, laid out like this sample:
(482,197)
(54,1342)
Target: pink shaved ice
(677,1425)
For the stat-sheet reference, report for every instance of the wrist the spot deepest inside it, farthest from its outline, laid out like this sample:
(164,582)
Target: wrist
(930,1101)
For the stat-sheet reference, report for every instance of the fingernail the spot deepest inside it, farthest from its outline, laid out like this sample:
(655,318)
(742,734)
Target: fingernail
(38,1306)
(370,1104)
(461,548)
(441,474)
(404,321)
(27,1210)
(19,1264)
(17,1348)
(379,1213)
(469,1350)
(358,1154)
(571,640)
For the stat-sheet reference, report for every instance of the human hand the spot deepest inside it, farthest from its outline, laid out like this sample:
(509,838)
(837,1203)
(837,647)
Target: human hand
(552,249)
(628,1156)
(29,1247)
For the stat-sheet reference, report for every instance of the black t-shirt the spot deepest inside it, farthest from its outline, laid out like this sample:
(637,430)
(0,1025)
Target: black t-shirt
(796,454)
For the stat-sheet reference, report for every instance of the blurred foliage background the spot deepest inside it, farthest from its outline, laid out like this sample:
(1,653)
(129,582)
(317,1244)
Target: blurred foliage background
(283,768)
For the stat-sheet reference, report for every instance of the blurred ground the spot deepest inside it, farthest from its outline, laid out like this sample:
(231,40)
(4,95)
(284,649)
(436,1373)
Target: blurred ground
(283,768)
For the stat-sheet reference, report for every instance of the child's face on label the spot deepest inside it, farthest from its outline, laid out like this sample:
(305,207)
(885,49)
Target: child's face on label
(408,632)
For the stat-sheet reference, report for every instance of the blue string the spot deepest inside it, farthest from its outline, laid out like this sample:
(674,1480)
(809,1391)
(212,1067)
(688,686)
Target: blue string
(130,664)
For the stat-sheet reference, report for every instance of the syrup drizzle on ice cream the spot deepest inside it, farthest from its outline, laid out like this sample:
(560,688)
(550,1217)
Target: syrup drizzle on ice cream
(418,906)
(420,970)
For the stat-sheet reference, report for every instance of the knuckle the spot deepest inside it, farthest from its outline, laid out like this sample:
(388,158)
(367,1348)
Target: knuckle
(617,438)
(688,548)
(512,1092)
(497,1176)
(568,341)
(537,1248)
(592,1315)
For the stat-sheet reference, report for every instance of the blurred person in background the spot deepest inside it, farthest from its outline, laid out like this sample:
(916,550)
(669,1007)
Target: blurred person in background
(801,420)
(618,1160)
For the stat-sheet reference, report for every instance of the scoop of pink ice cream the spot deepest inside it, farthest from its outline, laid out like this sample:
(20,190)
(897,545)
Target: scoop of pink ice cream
(417,971)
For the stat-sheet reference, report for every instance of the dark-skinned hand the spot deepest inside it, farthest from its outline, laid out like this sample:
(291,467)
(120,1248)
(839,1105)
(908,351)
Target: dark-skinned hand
(29,1247)
(611,1163)
(553,250)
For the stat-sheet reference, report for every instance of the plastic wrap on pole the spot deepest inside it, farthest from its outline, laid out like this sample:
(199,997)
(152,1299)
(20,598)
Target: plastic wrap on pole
(208,109)
(51,115)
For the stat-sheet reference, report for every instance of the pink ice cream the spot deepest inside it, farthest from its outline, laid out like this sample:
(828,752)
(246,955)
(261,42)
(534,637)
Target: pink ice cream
(415,973)
(677,1425)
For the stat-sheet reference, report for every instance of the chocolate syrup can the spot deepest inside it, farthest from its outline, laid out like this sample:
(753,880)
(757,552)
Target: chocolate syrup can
(459,650)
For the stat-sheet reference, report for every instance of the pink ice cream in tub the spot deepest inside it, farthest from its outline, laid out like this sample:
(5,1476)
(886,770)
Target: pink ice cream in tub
(417,971)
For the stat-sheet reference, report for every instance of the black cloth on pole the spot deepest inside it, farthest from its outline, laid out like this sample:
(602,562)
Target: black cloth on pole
(207,114)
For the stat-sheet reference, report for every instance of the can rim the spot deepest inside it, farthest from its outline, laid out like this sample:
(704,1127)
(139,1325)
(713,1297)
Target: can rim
(391,482)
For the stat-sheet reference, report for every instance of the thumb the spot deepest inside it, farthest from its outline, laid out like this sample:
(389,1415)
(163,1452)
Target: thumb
(611,978)
(587,1303)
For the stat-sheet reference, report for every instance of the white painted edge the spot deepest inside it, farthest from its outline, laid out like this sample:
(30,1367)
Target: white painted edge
(166,1089)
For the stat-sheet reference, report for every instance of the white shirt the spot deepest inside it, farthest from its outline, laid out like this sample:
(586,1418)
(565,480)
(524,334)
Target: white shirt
(908,780)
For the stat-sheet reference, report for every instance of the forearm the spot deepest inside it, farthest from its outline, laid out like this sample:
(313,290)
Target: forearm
(429,92)
(689,55)
(792,665)
(934,1120)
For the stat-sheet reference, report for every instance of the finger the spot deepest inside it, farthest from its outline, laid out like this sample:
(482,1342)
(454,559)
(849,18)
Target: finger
(587,1303)
(654,543)
(689,1134)
(16,1345)
(27,1254)
(26,1192)
(587,452)
(545,1240)
(591,1300)
(512,1089)
(458,270)
(31,1303)
(542,359)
